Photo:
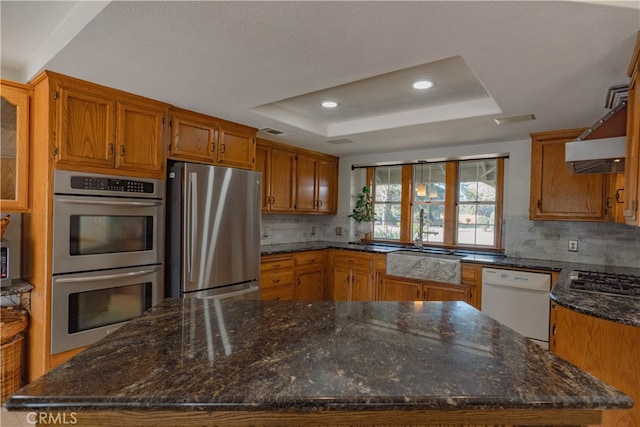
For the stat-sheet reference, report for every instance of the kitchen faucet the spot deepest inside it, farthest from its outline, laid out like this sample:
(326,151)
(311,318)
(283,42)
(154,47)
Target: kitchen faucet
(419,242)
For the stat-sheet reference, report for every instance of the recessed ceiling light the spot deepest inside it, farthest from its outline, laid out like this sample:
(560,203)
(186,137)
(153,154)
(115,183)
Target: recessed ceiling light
(423,84)
(329,104)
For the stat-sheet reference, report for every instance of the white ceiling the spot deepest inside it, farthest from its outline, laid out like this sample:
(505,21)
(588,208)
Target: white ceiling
(267,64)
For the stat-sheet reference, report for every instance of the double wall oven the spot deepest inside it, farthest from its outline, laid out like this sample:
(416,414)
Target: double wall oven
(108,249)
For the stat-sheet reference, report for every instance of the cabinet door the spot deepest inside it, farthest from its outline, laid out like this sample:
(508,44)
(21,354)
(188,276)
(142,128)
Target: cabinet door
(309,283)
(263,165)
(193,137)
(341,278)
(326,186)
(361,285)
(282,181)
(401,290)
(632,159)
(86,127)
(140,137)
(14,150)
(306,184)
(237,146)
(555,193)
(434,292)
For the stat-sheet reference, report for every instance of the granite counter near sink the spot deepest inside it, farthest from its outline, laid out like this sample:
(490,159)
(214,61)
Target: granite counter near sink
(211,362)
(619,309)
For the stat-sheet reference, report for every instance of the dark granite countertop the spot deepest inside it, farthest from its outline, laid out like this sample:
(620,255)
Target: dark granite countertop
(619,309)
(17,287)
(195,354)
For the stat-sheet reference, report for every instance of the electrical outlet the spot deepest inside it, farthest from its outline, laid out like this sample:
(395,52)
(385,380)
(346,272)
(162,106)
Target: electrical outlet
(313,230)
(338,231)
(573,246)
(265,232)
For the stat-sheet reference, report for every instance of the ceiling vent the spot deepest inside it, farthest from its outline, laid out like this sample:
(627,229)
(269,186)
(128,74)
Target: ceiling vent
(515,119)
(617,95)
(340,141)
(271,131)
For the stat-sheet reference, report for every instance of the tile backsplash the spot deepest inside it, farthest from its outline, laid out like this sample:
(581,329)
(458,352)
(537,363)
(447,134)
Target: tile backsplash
(299,228)
(598,243)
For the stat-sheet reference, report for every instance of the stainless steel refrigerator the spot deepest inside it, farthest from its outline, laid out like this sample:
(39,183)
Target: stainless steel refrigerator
(213,231)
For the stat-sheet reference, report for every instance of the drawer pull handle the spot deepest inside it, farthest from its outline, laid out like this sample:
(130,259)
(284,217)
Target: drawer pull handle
(275,281)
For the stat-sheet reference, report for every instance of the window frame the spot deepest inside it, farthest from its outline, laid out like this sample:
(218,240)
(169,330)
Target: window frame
(450,206)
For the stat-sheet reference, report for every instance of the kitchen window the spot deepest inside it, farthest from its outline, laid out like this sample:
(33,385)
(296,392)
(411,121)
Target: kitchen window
(460,203)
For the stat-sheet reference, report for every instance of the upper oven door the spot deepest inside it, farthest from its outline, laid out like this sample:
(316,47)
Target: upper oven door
(93,233)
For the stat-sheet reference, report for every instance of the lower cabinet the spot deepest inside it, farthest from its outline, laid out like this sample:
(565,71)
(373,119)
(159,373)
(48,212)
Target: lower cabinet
(276,277)
(404,289)
(606,349)
(351,277)
(299,276)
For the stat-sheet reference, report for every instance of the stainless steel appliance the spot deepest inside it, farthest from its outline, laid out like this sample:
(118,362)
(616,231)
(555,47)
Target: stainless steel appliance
(5,262)
(213,231)
(108,253)
(607,283)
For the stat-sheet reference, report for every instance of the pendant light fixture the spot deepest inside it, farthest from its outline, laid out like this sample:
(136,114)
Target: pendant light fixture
(421,189)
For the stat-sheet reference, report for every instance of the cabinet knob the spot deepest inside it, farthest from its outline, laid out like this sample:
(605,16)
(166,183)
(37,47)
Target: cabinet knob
(122,150)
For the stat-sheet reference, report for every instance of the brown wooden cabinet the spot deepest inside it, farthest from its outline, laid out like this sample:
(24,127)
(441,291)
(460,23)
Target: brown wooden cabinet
(276,277)
(278,166)
(193,136)
(200,138)
(310,276)
(606,349)
(96,128)
(406,289)
(351,276)
(557,194)
(316,184)
(14,150)
(632,159)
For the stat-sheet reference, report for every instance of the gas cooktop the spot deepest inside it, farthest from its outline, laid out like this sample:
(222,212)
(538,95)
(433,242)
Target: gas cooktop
(608,283)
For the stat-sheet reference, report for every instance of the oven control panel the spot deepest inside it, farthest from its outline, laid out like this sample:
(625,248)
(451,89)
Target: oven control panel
(109,184)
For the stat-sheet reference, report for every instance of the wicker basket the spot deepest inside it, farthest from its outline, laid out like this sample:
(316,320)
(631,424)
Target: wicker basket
(13,323)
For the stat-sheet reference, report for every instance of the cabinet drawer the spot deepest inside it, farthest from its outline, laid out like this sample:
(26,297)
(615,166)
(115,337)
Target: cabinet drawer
(282,292)
(276,263)
(470,273)
(358,261)
(310,257)
(276,279)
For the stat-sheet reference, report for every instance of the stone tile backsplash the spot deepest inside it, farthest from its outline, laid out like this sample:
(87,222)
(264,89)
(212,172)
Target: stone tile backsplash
(299,228)
(598,243)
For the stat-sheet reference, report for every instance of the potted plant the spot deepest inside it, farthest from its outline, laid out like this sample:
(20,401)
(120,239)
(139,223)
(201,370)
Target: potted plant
(363,213)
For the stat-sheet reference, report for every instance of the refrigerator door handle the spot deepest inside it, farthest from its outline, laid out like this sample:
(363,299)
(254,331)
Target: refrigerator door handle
(193,219)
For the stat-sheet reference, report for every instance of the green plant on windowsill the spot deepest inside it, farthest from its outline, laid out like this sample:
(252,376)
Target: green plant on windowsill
(363,211)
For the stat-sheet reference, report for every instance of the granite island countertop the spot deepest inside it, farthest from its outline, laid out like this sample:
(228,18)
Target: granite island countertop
(435,361)
(619,309)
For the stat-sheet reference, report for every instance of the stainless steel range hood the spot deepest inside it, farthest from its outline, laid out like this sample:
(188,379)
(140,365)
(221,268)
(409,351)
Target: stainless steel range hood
(602,147)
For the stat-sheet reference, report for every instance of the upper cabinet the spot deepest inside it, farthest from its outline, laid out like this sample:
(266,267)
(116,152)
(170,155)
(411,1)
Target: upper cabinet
(632,159)
(14,149)
(297,180)
(278,166)
(316,184)
(557,194)
(205,139)
(92,127)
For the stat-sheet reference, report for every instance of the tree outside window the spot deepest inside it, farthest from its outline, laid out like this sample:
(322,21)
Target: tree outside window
(477,202)
(387,196)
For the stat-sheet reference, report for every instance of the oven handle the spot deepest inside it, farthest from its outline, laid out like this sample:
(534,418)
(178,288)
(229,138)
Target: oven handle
(110,203)
(107,276)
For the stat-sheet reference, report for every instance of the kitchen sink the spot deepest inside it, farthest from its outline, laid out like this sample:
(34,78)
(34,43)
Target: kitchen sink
(425,266)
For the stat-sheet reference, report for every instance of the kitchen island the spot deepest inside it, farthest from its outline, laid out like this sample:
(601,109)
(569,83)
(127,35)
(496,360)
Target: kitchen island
(206,362)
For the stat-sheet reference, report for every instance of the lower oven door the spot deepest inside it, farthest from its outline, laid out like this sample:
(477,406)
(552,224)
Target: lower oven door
(86,307)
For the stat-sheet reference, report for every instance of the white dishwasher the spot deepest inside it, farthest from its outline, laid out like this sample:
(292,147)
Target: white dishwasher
(519,300)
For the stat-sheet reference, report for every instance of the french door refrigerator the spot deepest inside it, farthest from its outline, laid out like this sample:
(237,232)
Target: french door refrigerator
(213,231)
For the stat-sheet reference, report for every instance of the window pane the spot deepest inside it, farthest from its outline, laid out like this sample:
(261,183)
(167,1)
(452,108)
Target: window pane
(429,182)
(433,223)
(476,224)
(387,224)
(477,180)
(388,184)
